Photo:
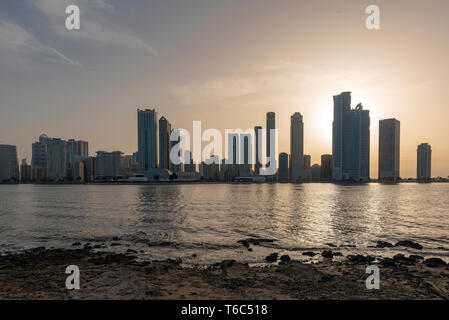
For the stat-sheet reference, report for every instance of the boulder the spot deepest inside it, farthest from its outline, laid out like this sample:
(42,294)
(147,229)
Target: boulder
(327,254)
(434,262)
(409,244)
(285,258)
(383,244)
(272,257)
(309,253)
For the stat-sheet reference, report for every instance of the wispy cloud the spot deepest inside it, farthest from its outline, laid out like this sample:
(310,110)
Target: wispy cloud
(95,27)
(18,44)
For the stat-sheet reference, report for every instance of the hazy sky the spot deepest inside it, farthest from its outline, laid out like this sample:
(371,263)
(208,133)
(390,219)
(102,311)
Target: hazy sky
(225,62)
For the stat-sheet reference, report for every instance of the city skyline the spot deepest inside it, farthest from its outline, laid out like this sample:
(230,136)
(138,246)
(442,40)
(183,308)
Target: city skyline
(206,71)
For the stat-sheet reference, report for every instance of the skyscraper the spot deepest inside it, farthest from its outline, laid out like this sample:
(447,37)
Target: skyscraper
(257,141)
(25,171)
(56,159)
(164,143)
(9,168)
(389,152)
(350,140)
(307,167)
(296,147)
(326,167)
(245,155)
(271,147)
(77,151)
(283,167)
(424,165)
(147,141)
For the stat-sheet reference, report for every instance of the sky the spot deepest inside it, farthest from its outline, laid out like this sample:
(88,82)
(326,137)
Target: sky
(226,63)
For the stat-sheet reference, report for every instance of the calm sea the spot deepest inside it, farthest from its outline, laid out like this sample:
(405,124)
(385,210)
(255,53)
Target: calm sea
(207,220)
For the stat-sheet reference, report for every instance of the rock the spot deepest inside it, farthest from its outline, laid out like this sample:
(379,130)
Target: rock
(383,244)
(326,278)
(194,255)
(338,254)
(285,258)
(434,262)
(97,246)
(358,259)
(387,262)
(309,253)
(409,244)
(131,251)
(76,244)
(244,243)
(399,257)
(115,244)
(272,257)
(331,245)
(327,254)
(116,239)
(415,257)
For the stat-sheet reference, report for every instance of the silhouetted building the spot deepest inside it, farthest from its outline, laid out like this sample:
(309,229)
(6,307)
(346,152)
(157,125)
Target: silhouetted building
(129,166)
(77,151)
(39,159)
(296,147)
(147,131)
(25,172)
(326,167)
(210,169)
(283,167)
(389,149)
(164,143)
(56,159)
(108,165)
(257,148)
(307,167)
(90,169)
(271,143)
(245,155)
(424,166)
(9,168)
(350,140)
(316,172)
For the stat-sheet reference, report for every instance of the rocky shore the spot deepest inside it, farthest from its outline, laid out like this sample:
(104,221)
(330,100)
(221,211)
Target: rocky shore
(40,274)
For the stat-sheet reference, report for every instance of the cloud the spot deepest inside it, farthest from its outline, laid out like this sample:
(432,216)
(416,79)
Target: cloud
(18,44)
(94,25)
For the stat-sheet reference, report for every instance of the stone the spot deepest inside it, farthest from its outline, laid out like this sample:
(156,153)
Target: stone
(409,244)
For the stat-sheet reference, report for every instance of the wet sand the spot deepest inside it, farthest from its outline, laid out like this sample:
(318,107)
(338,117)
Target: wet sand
(40,274)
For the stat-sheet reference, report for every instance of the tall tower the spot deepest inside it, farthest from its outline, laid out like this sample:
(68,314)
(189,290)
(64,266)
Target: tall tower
(296,147)
(147,139)
(389,149)
(271,125)
(424,163)
(164,143)
(350,140)
(257,140)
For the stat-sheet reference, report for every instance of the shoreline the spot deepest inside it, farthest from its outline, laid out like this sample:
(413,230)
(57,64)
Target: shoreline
(40,274)
(342,183)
